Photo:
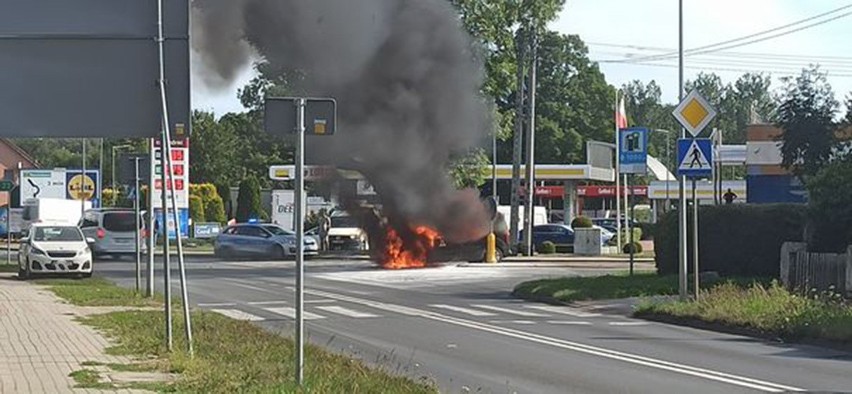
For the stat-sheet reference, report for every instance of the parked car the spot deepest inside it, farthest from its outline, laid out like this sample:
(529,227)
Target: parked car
(611,224)
(114,231)
(54,249)
(561,234)
(261,240)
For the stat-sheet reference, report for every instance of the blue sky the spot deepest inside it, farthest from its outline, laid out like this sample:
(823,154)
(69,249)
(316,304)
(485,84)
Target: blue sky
(616,29)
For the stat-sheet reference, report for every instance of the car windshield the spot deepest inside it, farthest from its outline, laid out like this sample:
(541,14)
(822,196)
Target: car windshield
(343,221)
(119,221)
(275,230)
(57,234)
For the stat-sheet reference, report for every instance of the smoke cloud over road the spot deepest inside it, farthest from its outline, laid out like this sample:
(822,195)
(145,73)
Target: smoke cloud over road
(404,77)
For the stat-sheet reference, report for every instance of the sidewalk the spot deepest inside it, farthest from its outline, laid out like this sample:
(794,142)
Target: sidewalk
(40,343)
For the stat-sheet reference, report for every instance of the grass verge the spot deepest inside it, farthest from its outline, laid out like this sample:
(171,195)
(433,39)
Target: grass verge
(96,292)
(236,356)
(8,267)
(597,288)
(768,310)
(230,355)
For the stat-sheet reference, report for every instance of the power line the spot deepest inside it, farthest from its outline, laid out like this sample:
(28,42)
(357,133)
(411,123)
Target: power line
(736,42)
(731,54)
(739,70)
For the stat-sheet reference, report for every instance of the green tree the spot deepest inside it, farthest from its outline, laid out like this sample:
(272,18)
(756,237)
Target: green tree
(248,200)
(213,150)
(574,102)
(806,115)
(468,171)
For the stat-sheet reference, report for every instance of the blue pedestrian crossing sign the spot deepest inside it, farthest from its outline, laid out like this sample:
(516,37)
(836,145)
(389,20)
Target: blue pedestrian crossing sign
(695,157)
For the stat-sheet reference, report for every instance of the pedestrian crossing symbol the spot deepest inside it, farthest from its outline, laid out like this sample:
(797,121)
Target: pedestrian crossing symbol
(695,157)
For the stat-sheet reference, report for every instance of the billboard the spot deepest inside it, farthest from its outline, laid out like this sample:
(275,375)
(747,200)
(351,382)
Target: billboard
(61,183)
(90,68)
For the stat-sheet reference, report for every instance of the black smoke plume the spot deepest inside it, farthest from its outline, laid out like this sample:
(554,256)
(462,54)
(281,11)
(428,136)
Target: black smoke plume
(405,79)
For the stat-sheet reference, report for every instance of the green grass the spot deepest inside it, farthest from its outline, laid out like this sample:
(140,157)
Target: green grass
(95,292)
(89,379)
(8,267)
(769,309)
(236,356)
(597,288)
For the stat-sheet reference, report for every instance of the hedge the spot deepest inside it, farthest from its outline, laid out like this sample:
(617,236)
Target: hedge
(739,239)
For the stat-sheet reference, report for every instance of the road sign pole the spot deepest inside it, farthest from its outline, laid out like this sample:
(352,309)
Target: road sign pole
(149,288)
(632,207)
(300,243)
(9,229)
(138,224)
(695,239)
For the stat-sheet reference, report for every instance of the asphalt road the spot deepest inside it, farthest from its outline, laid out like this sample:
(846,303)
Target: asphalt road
(459,327)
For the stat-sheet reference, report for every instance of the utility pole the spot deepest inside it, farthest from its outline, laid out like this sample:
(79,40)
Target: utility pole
(517,146)
(682,242)
(530,165)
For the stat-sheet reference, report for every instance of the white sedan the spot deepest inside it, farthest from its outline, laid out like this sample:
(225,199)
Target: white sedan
(54,249)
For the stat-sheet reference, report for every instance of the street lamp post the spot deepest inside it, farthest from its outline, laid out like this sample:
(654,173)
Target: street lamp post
(112,179)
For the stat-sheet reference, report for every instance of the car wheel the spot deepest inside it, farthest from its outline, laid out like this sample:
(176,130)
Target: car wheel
(279,253)
(499,254)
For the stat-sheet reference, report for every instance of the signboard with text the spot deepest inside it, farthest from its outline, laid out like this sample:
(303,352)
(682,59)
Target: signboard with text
(180,172)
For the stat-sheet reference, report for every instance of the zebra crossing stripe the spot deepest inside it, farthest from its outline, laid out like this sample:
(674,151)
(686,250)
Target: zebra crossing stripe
(472,312)
(346,312)
(238,314)
(291,313)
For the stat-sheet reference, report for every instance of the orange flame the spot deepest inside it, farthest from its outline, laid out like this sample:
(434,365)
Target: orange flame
(399,255)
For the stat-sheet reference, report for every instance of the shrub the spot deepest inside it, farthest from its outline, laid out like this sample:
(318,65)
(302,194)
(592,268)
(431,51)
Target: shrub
(581,222)
(196,209)
(739,239)
(634,247)
(214,210)
(547,247)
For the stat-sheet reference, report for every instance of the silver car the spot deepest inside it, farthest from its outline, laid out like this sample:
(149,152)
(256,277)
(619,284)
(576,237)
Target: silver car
(261,240)
(113,231)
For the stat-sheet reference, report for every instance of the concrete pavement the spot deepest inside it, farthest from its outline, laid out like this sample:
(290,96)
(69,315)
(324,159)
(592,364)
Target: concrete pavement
(460,327)
(40,343)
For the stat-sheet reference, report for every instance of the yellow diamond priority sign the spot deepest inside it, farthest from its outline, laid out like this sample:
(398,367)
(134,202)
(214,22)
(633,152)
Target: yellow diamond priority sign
(694,113)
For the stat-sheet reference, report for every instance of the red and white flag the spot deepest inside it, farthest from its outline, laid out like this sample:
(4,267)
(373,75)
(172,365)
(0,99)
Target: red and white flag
(621,115)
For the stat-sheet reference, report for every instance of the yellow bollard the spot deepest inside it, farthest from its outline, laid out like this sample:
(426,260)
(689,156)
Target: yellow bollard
(491,248)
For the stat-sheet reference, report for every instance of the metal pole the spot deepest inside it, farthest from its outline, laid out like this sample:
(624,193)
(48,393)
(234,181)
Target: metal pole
(83,183)
(530,165)
(101,167)
(617,178)
(149,288)
(632,207)
(9,230)
(167,169)
(167,275)
(300,244)
(112,176)
(682,242)
(517,145)
(136,210)
(695,239)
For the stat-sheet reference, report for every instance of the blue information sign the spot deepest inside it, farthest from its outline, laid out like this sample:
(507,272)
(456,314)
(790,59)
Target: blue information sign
(633,150)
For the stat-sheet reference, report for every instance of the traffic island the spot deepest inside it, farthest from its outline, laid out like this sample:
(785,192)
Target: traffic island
(571,289)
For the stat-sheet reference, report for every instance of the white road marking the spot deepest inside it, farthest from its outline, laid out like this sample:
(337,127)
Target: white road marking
(472,312)
(320,301)
(628,323)
(266,302)
(509,311)
(346,312)
(291,313)
(564,310)
(523,322)
(684,369)
(215,304)
(570,322)
(238,314)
